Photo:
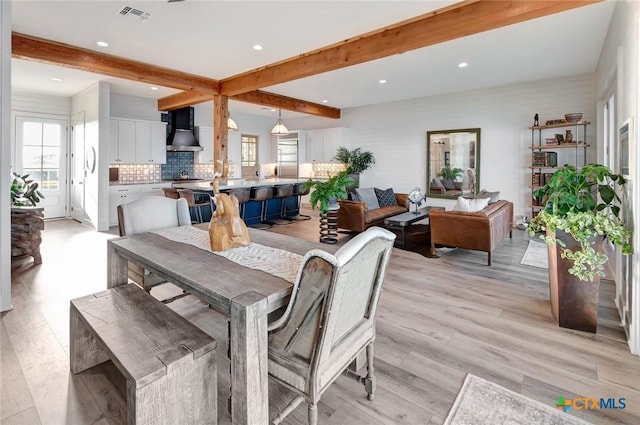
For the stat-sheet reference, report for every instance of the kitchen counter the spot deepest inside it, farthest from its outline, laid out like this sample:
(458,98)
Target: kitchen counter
(236,183)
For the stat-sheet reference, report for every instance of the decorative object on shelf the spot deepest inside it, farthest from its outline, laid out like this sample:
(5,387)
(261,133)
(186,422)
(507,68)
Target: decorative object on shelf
(545,159)
(279,129)
(535,120)
(415,197)
(559,138)
(355,162)
(554,122)
(325,197)
(573,117)
(576,223)
(551,141)
(568,137)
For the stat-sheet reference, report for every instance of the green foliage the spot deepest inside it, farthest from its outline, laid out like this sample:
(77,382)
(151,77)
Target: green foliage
(573,206)
(24,192)
(449,173)
(355,160)
(328,191)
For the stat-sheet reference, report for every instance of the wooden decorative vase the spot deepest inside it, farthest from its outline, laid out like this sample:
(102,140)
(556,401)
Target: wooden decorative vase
(227,229)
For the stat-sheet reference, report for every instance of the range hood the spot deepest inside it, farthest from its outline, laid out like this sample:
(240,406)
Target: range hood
(181,137)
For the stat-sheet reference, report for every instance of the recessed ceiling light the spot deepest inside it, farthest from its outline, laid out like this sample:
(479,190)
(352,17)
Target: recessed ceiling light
(382,81)
(154,88)
(56,79)
(325,101)
(257,47)
(102,43)
(463,65)
(273,109)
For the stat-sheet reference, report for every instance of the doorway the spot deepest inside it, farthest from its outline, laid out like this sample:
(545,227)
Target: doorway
(77,167)
(42,154)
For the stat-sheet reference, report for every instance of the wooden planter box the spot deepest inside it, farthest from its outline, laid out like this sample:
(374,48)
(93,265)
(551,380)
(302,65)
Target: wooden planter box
(26,225)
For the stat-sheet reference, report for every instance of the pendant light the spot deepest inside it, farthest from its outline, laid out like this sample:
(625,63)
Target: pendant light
(279,129)
(231,124)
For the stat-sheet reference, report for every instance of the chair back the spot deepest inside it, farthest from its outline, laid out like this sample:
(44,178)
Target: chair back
(151,213)
(331,313)
(170,192)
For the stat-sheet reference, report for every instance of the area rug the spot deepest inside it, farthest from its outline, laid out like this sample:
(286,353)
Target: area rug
(536,255)
(481,402)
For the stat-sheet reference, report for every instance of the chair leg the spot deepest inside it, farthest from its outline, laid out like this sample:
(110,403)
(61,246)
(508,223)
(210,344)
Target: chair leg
(288,409)
(370,380)
(313,414)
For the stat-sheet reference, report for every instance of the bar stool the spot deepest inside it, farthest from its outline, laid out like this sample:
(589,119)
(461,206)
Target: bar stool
(243,195)
(299,193)
(282,192)
(170,192)
(262,194)
(189,196)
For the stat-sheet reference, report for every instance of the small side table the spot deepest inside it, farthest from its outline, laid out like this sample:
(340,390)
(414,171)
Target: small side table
(26,224)
(404,220)
(329,226)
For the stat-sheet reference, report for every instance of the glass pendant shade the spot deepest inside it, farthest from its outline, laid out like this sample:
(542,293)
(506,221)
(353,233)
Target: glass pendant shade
(279,129)
(231,124)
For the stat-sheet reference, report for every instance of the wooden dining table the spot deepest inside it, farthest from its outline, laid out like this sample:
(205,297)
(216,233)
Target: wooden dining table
(246,295)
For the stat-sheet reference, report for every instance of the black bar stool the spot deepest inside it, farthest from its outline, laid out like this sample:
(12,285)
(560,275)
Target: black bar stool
(299,192)
(262,194)
(282,192)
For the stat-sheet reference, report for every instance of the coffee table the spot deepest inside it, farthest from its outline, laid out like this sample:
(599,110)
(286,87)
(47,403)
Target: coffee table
(403,221)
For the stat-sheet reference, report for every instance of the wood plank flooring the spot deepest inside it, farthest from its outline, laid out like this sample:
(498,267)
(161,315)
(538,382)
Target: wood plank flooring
(439,319)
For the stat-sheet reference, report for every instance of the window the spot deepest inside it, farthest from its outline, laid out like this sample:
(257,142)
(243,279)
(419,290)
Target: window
(249,154)
(41,153)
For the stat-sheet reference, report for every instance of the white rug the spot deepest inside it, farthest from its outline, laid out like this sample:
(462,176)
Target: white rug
(481,402)
(536,255)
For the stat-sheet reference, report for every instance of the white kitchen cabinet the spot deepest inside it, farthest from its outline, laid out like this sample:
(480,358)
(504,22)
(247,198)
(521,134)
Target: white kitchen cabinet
(321,145)
(205,138)
(120,195)
(122,142)
(137,142)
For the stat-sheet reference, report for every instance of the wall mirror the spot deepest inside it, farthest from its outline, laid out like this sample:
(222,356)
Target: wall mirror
(453,162)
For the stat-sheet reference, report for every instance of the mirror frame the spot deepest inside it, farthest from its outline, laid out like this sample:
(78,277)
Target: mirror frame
(440,133)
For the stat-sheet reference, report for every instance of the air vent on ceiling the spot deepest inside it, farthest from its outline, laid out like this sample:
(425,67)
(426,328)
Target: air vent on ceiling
(134,13)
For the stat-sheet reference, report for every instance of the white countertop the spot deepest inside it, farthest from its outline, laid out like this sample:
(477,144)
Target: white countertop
(236,183)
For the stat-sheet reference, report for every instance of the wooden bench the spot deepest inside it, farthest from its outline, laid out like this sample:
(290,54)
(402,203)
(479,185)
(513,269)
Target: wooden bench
(169,364)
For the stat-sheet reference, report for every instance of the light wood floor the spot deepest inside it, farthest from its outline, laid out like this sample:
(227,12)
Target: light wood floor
(439,319)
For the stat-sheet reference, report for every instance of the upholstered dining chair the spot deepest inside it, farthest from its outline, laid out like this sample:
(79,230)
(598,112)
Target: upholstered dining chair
(146,214)
(330,319)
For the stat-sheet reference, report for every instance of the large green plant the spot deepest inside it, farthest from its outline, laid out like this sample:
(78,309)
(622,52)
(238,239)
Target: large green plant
(573,206)
(355,160)
(326,192)
(24,192)
(449,173)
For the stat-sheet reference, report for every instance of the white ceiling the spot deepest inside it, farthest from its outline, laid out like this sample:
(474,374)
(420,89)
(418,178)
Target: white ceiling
(215,39)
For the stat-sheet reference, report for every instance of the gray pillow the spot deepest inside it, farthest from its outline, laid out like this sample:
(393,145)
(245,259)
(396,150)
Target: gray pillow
(448,184)
(436,183)
(368,196)
(493,196)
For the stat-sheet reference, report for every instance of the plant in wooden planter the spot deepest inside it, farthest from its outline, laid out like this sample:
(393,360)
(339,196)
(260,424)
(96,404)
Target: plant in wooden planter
(26,220)
(355,161)
(325,197)
(575,222)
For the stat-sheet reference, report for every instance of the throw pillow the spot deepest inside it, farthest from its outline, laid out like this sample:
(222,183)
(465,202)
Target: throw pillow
(470,205)
(368,195)
(493,196)
(436,183)
(386,198)
(448,184)
(354,197)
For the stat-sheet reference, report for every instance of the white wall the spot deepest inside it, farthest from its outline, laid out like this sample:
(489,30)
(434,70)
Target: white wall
(133,107)
(618,71)
(5,153)
(396,132)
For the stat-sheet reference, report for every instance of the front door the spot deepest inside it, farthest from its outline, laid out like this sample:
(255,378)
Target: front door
(41,153)
(77,167)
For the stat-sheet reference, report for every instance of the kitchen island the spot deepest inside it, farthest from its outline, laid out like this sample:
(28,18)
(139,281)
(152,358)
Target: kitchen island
(204,189)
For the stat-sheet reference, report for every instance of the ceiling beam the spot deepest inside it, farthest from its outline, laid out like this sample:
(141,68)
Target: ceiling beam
(188,98)
(34,48)
(459,20)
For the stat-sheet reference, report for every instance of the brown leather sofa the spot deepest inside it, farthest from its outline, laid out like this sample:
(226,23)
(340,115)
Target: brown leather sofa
(481,231)
(355,216)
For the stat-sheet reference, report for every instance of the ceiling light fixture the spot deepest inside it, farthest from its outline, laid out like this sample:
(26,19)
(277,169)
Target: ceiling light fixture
(325,101)
(102,43)
(463,65)
(154,88)
(257,47)
(231,124)
(382,81)
(279,129)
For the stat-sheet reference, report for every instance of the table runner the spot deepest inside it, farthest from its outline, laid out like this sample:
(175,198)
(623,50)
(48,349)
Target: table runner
(277,262)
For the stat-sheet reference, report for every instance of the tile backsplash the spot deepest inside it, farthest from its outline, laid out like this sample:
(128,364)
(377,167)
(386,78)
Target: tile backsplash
(137,173)
(177,162)
(326,170)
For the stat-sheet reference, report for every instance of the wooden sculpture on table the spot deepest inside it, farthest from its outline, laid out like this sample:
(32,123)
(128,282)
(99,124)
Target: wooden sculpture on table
(226,229)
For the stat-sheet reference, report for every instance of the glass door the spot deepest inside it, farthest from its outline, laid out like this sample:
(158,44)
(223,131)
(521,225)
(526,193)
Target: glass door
(41,153)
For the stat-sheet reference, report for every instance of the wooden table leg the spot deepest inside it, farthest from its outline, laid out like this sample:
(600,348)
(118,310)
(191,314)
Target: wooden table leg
(117,273)
(249,361)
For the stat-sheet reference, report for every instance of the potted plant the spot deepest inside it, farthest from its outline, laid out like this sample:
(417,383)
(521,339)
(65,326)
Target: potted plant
(26,220)
(24,192)
(356,161)
(576,221)
(325,197)
(449,176)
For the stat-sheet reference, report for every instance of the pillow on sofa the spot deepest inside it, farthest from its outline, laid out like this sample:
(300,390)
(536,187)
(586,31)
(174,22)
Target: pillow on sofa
(368,196)
(493,196)
(386,198)
(470,205)
(448,184)
(354,197)
(436,183)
